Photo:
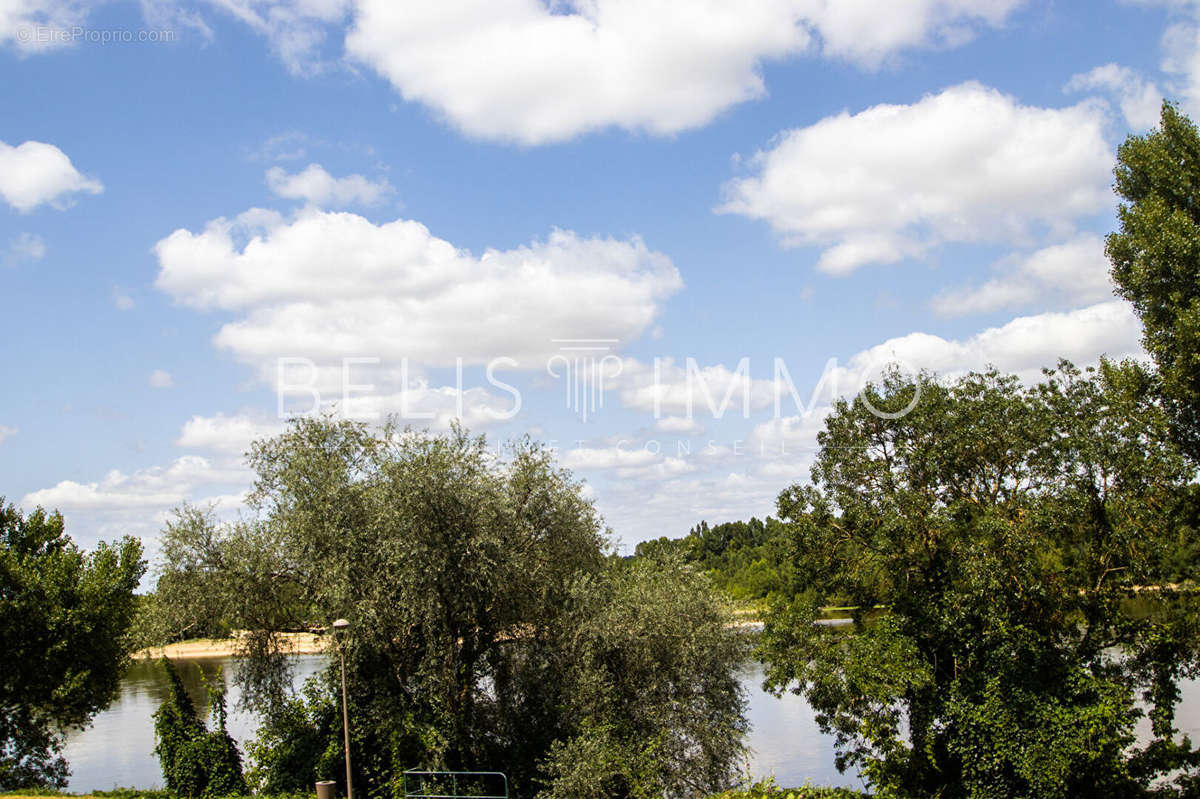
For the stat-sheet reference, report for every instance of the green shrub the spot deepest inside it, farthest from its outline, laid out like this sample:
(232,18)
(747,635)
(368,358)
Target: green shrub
(196,761)
(299,743)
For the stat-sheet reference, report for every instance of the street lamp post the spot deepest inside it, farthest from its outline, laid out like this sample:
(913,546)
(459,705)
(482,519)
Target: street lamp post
(339,627)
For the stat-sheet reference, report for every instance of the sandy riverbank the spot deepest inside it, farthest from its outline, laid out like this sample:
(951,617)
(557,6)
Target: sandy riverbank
(293,643)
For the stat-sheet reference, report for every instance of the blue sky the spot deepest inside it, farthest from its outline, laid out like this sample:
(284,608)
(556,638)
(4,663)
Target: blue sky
(190,192)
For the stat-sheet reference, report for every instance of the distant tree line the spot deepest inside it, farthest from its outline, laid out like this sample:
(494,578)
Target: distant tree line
(756,560)
(748,560)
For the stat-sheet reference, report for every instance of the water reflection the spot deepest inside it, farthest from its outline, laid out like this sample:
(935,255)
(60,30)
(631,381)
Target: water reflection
(784,739)
(118,750)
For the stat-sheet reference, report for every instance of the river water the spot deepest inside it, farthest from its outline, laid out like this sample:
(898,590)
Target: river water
(117,750)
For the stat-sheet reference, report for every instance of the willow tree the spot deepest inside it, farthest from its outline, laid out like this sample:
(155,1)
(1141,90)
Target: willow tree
(490,626)
(1001,530)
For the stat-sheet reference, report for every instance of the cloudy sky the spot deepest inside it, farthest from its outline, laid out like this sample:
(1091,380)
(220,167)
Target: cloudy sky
(658,234)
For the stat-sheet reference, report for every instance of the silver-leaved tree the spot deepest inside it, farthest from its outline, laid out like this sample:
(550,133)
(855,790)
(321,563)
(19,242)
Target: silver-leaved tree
(491,627)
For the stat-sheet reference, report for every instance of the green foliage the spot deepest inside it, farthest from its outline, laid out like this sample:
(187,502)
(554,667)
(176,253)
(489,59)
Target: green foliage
(1155,258)
(649,657)
(176,725)
(196,761)
(193,597)
(299,743)
(1003,528)
(490,629)
(746,560)
(64,614)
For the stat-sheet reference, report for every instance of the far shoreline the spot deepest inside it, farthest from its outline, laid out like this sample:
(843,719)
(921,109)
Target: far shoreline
(198,648)
(314,644)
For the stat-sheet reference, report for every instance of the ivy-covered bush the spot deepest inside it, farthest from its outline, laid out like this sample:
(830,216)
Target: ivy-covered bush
(299,743)
(196,761)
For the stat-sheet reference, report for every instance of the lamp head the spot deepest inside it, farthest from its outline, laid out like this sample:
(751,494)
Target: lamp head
(340,625)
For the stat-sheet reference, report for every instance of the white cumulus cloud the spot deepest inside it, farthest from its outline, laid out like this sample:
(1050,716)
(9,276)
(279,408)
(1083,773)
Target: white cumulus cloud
(532,72)
(36,173)
(139,502)
(327,285)
(869,32)
(232,435)
(1022,346)
(154,487)
(317,187)
(1071,274)
(1138,98)
(161,379)
(967,164)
